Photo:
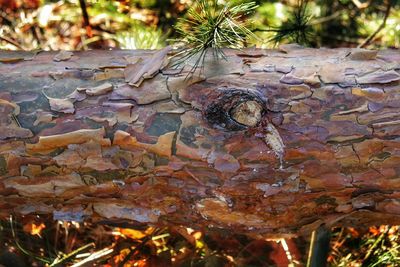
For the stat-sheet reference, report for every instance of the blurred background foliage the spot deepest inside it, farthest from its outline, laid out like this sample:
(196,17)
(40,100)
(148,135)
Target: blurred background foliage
(149,24)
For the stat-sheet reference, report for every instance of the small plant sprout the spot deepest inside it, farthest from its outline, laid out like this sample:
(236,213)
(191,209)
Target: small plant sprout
(210,25)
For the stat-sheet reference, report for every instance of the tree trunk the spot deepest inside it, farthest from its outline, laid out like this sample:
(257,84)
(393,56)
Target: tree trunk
(266,141)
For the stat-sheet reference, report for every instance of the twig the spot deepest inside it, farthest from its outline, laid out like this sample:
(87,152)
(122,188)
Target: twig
(321,20)
(7,19)
(94,256)
(287,252)
(34,34)
(361,5)
(372,36)
(12,42)
(85,15)
(70,255)
(16,120)
(138,247)
(319,247)
(313,22)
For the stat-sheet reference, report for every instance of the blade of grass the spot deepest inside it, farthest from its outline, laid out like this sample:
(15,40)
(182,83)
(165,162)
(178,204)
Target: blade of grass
(68,256)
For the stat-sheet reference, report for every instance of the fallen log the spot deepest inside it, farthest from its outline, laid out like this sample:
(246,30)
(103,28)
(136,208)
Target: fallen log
(266,141)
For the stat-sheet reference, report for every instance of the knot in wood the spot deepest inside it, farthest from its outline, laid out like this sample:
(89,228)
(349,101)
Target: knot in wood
(247,113)
(235,109)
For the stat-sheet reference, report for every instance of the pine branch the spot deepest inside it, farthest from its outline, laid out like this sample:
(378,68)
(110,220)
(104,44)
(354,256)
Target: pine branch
(211,27)
(381,27)
(297,28)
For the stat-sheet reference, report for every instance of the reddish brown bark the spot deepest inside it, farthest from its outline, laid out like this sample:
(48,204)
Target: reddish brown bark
(269,141)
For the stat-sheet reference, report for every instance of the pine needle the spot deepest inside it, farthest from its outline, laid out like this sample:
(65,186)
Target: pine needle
(211,27)
(297,28)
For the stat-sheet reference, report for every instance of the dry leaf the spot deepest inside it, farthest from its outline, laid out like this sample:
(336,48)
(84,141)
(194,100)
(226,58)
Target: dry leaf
(34,229)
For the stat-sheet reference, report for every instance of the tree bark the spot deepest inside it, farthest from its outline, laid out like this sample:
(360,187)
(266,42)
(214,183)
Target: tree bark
(267,141)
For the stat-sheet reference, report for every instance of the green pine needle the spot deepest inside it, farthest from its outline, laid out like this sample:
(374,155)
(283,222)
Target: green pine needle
(212,26)
(297,28)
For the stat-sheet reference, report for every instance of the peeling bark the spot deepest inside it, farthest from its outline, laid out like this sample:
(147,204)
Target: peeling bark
(268,141)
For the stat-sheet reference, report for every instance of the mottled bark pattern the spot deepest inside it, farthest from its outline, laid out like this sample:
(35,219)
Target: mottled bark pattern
(268,141)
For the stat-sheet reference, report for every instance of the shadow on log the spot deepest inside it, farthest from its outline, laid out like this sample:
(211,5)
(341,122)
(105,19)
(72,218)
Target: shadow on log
(272,142)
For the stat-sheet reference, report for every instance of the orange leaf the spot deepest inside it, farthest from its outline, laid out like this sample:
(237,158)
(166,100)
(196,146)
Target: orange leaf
(34,229)
(374,231)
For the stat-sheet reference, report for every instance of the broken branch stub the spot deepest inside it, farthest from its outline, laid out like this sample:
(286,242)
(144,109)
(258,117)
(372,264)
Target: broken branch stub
(276,144)
(247,113)
(233,109)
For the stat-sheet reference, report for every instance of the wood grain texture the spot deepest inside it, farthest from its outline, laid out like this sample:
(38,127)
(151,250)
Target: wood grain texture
(318,142)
